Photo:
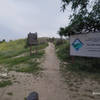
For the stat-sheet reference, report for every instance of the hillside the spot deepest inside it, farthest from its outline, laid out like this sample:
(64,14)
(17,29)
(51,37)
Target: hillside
(14,55)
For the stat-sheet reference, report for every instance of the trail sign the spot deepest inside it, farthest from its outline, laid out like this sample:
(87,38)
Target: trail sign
(32,38)
(87,45)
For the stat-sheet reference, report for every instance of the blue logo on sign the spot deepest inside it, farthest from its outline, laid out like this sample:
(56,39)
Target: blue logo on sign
(77,44)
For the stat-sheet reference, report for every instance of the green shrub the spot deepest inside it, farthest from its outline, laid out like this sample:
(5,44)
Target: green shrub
(5,83)
(91,65)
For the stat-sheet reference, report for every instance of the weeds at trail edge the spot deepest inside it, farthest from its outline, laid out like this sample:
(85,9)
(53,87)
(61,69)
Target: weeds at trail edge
(82,65)
(5,83)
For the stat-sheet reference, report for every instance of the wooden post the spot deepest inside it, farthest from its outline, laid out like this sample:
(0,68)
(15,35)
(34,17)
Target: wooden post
(30,50)
(36,49)
(72,59)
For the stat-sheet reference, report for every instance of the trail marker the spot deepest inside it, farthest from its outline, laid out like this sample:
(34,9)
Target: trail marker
(32,40)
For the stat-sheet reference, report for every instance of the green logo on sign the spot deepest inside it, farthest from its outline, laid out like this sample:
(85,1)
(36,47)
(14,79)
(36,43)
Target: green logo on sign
(77,44)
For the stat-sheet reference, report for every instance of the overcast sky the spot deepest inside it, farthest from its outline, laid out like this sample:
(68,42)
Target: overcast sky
(18,17)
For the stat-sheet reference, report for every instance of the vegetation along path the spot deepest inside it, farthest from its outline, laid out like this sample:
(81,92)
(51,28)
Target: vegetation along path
(49,85)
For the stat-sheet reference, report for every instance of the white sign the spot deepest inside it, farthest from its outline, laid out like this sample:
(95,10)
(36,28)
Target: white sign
(87,45)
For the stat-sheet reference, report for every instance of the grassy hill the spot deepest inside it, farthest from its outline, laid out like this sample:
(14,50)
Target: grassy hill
(15,56)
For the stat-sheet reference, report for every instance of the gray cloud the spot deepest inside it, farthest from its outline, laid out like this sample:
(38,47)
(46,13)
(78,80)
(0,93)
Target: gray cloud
(18,17)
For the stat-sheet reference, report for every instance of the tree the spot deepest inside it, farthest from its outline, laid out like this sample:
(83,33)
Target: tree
(61,32)
(75,4)
(3,40)
(82,20)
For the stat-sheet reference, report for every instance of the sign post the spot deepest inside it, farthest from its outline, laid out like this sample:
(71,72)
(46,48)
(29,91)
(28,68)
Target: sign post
(30,50)
(72,59)
(32,40)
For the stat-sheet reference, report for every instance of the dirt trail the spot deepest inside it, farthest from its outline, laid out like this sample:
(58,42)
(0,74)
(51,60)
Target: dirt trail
(50,86)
